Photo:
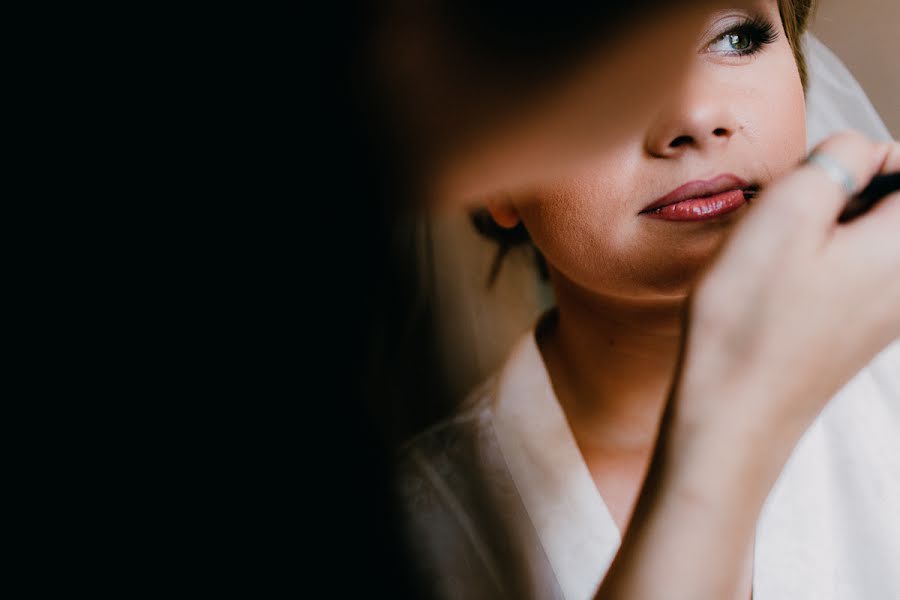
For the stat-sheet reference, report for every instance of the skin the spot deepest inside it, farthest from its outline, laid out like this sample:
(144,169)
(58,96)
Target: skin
(685,356)
(761,358)
(621,279)
(475,131)
(764,296)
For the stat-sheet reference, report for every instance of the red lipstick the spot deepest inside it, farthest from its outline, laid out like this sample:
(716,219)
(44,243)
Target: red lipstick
(701,200)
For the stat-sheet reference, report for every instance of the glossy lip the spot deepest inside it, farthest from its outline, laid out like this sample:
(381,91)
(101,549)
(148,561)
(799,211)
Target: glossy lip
(699,189)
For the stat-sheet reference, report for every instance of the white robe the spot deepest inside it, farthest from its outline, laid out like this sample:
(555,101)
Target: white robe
(829,530)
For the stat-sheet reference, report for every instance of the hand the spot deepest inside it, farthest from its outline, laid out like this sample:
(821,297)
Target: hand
(796,304)
(791,309)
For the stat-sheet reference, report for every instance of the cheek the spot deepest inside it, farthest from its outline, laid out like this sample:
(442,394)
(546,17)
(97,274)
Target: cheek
(780,116)
(576,223)
(587,228)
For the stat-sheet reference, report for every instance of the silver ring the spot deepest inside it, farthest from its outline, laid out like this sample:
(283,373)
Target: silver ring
(837,172)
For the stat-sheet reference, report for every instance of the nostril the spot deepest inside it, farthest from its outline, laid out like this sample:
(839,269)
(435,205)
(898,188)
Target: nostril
(720,132)
(681,140)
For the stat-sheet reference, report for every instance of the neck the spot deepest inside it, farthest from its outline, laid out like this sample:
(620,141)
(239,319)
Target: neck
(611,361)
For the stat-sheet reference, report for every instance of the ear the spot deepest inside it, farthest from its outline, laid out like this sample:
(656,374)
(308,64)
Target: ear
(503,212)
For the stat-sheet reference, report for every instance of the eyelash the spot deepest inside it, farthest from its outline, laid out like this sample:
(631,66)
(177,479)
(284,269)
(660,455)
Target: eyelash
(759,31)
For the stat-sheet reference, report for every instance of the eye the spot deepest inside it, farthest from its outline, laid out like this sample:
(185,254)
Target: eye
(732,42)
(743,38)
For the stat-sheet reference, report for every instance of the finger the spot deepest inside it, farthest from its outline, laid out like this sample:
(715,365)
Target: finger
(810,199)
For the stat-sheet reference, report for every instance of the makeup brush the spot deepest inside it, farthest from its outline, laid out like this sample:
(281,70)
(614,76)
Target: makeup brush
(878,188)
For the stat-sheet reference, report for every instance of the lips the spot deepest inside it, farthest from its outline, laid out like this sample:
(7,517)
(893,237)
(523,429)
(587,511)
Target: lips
(700,200)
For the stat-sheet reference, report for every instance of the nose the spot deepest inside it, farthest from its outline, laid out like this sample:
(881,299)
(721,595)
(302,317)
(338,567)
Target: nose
(699,119)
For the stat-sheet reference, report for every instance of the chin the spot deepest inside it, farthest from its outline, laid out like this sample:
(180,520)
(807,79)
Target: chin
(689,248)
(675,274)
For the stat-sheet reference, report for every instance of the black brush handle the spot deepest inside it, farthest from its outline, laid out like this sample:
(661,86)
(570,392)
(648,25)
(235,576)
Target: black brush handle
(878,188)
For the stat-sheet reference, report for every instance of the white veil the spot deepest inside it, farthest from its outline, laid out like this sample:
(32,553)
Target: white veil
(834,99)
(477,325)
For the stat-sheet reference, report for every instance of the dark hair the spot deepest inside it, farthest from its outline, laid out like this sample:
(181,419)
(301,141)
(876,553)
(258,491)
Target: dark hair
(507,238)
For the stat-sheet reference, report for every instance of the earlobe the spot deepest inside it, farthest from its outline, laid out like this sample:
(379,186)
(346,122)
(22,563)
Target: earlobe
(504,213)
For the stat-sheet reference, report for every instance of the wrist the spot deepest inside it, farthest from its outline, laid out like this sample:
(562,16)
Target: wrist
(721,455)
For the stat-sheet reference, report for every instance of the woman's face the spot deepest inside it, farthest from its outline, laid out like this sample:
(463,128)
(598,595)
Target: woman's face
(737,120)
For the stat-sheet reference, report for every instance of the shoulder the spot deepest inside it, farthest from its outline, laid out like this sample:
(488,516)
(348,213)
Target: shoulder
(442,483)
(439,469)
(451,440)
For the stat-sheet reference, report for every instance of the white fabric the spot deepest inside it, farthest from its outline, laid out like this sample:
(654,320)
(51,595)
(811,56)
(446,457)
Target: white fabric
(830,529)
(572,520)
(834,100)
